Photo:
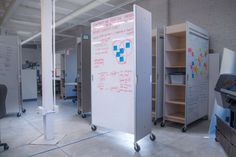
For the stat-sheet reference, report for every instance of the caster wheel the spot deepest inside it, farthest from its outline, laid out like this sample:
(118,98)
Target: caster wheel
(79,112)
(23,110)
(216,140)
(94,128)
(163,124)
(6,147)
(152,137)
(84,116)
(155,122)
(18,114)
(136,147)
(205,118)
(184,129)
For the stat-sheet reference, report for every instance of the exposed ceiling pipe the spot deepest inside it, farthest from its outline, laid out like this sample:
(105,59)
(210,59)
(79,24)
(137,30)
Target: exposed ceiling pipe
(65,35)
(110,10)
(71,16)
(10,11)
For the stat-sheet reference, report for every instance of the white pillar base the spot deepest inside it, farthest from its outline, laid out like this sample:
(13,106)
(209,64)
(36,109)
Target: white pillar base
(48,126)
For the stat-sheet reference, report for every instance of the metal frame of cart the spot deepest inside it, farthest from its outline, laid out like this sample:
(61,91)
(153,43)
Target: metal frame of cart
(186,50)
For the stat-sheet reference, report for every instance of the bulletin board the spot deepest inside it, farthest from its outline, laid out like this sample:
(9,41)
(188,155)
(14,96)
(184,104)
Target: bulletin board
(9,71)
(197,69)
(113,72)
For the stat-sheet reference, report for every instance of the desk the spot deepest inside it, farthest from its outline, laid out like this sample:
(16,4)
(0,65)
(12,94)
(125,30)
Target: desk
(71,84)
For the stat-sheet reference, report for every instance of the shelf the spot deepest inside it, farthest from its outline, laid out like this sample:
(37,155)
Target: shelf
(153,99)
(177,50)
(177,102)
(177,34)
(176,30)
(176,117)
(169,67)
(175,85)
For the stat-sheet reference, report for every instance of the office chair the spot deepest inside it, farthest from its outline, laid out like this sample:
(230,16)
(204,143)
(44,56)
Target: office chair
(3,95)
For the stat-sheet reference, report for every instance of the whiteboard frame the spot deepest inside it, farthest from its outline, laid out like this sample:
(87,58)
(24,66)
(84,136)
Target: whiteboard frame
(143,91)
(18,99)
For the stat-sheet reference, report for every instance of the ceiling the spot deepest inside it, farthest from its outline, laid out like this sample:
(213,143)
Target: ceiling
(22,17)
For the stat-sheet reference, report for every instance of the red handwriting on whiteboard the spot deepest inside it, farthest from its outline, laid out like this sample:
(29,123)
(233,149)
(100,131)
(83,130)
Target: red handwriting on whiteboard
(122,81)
(98,63)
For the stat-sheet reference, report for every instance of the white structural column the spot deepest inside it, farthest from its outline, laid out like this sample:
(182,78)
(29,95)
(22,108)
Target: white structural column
(47,68)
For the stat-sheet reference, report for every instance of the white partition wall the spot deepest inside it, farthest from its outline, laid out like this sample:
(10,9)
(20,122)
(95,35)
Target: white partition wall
(9,72)
(121,73)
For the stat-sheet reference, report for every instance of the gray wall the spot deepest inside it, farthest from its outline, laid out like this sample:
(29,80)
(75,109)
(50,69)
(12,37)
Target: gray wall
(159,11)
(218,17)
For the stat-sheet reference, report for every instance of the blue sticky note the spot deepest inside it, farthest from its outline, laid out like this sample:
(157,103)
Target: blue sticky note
(121,59)
(122,50)
(117,54)
(127,45)
(192,75)
(115,48)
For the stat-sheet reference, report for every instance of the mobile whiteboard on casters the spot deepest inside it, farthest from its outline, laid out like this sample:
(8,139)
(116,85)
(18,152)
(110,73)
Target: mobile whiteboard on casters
(9,72)
(121,73)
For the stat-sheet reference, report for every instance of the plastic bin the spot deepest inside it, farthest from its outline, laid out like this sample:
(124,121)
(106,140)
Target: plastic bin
(177,78)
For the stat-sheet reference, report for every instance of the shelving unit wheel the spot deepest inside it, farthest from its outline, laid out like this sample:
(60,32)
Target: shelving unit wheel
(205,118)
(152,137)
(18,114)
(184,129)
(83,115)
(136,147)
(93,127)
(216,140)
(79,112)
(6,147)
(163,124)
(23,110)
(155,122)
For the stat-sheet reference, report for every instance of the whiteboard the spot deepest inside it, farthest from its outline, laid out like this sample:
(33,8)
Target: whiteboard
(9,68)
(29,84)
(197,69)
(113,73)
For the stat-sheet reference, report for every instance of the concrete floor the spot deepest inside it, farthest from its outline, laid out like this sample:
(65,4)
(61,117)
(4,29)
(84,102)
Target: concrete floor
(79,140)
